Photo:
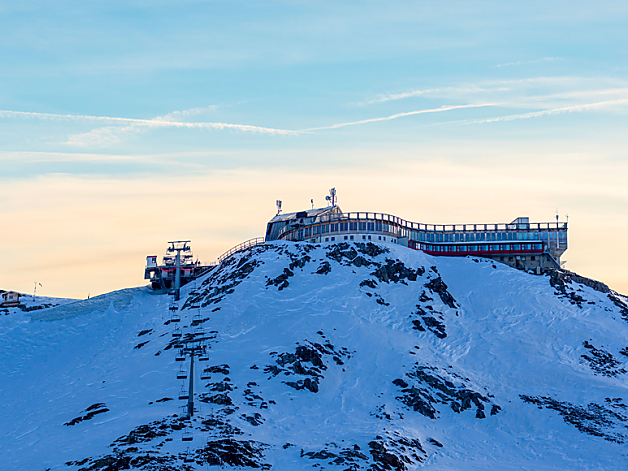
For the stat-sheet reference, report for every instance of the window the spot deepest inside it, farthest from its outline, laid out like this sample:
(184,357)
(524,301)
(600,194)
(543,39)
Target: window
(369,237)
(363,237)
(350,237)
(380,238)
(346,237)
(371,226)
(533,258)
(333,238)
(326,239)
(334,227)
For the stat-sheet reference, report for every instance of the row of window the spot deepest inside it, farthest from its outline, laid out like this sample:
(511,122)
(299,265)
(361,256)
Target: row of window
(311,231)
(487,236)
(480,248)
(364,237)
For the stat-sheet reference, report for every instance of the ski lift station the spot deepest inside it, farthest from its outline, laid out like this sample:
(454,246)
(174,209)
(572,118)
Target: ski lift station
(521,244)
(10,299)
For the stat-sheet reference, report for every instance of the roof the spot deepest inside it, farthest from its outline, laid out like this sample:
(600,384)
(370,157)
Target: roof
(309,213)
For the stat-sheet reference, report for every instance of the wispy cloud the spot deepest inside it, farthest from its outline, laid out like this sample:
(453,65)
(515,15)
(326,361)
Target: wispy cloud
(536,114)
(401,115)
(429,92)
(142,122)
(177,115)
(536,61)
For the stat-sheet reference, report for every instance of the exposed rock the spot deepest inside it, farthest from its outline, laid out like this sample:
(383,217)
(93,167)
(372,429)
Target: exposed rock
(593,419)
(602,362)
(437,285)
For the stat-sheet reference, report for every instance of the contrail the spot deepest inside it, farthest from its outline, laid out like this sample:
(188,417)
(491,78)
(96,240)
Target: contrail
(534,114)
(400,115)
(143,122)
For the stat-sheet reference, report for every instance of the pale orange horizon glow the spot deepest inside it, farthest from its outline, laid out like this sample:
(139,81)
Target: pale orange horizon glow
(90,235)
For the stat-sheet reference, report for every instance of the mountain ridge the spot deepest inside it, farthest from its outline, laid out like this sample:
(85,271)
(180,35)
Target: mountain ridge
(345,356)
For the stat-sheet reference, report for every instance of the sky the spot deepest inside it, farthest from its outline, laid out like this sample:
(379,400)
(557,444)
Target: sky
(124,125)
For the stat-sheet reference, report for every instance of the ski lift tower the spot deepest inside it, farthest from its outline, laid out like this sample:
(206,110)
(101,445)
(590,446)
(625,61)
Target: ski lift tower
(193,347)
(178,246)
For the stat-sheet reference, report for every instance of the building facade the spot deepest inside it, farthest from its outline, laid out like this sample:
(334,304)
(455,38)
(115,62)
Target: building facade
(10,299)
(520,243)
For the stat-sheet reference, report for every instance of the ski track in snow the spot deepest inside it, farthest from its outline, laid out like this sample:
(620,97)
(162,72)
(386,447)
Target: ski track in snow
(509,335)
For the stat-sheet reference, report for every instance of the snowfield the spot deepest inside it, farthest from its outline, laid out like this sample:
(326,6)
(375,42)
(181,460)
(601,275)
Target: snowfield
(338,357)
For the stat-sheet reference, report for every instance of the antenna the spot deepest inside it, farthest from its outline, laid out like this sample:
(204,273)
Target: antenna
(278,203)
(332,197)
(312,201)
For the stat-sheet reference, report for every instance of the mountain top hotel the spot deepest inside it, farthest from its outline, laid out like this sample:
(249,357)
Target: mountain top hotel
(520,243)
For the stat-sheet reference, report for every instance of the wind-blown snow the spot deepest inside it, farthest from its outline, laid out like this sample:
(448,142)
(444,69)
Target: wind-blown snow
(344,356)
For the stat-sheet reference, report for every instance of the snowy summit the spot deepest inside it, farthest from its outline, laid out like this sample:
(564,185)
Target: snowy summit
(343,356)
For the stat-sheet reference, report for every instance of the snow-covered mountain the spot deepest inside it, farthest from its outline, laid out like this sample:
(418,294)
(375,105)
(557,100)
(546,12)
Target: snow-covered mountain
(338,357)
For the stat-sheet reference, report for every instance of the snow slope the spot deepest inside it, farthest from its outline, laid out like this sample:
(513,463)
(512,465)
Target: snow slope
(345,356)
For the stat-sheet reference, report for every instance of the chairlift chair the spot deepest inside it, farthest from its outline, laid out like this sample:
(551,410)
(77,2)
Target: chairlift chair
(205,376)
(203,357)
(175,317)
(182,374)
(176,332)
(187,436)
(183,395)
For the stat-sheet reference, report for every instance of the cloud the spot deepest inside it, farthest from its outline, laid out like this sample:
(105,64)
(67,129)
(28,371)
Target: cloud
(400,115)
(544,59)
(176,115)
(155,123)
(536,114)
(429,92)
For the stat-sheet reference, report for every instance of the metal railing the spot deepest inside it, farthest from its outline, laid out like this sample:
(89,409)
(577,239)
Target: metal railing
(396,221)
(244,245)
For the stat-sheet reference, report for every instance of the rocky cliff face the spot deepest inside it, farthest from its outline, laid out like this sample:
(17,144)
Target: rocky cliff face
(346,356)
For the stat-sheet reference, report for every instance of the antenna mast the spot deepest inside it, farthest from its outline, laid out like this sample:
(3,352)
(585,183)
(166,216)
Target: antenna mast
(278,203)
(332,197)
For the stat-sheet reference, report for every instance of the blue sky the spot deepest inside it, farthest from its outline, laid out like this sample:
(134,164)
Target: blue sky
(532,96)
